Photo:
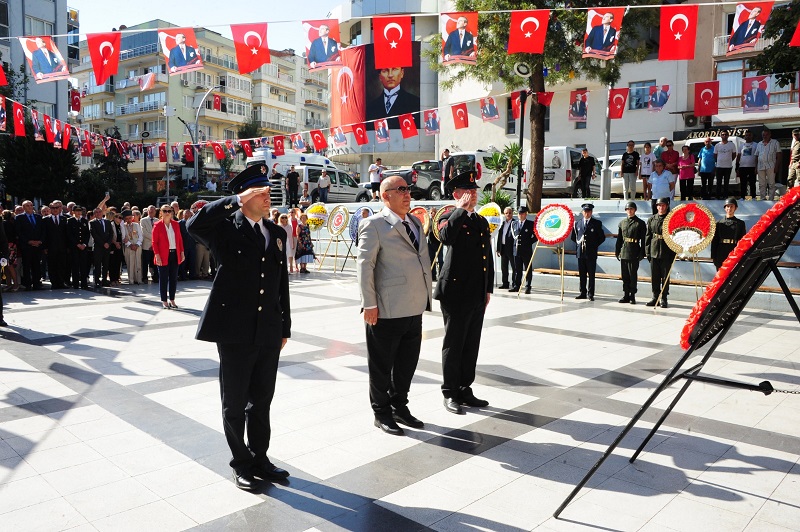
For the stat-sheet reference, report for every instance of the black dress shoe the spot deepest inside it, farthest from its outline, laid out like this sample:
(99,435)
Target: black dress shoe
(3,323)
(651,303)
(528,290)
(404,417)
(664,303)
(625,299)
(633,300)
(389,426)
(581,296)
(268,471)
(471,400)
(504,286)
(514,289)
(245,481)
(591,298)
(451,405)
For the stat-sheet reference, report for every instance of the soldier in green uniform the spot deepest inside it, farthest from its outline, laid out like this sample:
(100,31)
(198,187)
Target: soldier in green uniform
(729,231)
(630,251)
(659,254)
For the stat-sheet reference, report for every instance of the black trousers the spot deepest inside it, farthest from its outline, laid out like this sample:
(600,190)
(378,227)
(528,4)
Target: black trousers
(658,275)
(114,264)
(520,263)
(723,182)
(291,192)
(582,183)
(506,260)
(101,257)
(31,265)
(747,178)
(168,276)
(706,184)
(687,189)
(148,265)
(586,270)
(80,268)
(630,275)
(462,338)
(58,267)
(247,385)
(393,352)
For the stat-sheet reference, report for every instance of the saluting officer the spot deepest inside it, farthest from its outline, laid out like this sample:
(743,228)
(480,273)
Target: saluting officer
(78,237)
(729,231)
(247,315)
(588,235)
(658,254)
(464,288)
(630,250)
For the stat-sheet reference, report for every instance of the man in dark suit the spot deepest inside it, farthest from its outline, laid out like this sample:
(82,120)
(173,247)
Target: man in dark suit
(103,235)
(55,228)
(587,233)
(465,285)
(506,245)
(393,100)
(603,37)
(756,99)
(31,239)
(44,61)
(323,49)
(182,55)
(380,129)
(432,124)
(490,109)
(747,32)
(459,42)
(247,315)
(524,239)
(659,254)
(659,99)
(78,238)
(578,107)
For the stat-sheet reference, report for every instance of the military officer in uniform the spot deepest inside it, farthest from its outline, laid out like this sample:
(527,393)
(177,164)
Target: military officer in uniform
(78,238)
(247,315)
(464,288)
(524,239)
(588,235)
(630,251)
(729,231)
(659,254)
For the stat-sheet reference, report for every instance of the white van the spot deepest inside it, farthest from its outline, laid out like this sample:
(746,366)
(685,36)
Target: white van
(560,168)
(476,160)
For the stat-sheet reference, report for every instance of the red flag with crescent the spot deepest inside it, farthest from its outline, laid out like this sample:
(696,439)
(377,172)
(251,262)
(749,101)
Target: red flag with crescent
(407,126)
(318,139)
(75,100)
(104,51)
(219,153)
(250,42)
(516,105)
(86,145)
(545,98)
(528,30)
(796,37)
(360,133)
(347,88)
(217,102)
(617,98)
(678,32)
(247,148)
(706,98)
(188,152)
(277,145)
(19,120)
(48,129)
(3,80)
(460,115)
(392,38)
(162,152)
(67,132)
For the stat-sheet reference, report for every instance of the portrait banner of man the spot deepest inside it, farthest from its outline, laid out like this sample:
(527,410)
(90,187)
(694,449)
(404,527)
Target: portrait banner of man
(339,138)
(391,92)
(755,94)
(44,59)
(38,134)
(602,32)
(381,131)
(432,122)
(3,115)
(749,21)
(489,109)
(459,33)
(578,107)
(179,47)
(658,98)
(298,144)
(176,153)
(322,44)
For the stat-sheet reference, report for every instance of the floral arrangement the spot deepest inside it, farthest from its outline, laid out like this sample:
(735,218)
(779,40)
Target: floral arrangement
(317,216)
(491,211)
(689,228)
(553,224)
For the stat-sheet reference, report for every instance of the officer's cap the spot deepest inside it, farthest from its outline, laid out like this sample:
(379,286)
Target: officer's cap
(731,201)
(587,207)
(662,201)
(250,177)
(631,205)
(466,180)
(523,209)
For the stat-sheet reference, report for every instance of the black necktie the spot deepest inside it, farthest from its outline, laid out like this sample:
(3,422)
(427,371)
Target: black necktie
(411,235)
(103,222)
(32,218)
(260,235)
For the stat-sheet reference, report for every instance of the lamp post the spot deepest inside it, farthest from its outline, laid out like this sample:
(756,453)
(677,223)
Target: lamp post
(197,135)
(145,134)
(523,96)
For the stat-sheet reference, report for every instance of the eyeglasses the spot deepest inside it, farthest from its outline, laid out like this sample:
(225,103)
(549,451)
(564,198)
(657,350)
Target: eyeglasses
(166,212)
(401,190)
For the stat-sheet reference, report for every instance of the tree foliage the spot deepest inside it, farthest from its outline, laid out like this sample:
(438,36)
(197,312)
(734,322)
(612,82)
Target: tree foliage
(504,162)
(250,130)
(779,58)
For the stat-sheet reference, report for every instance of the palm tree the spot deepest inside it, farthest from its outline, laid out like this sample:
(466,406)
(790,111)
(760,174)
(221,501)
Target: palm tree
(504,162)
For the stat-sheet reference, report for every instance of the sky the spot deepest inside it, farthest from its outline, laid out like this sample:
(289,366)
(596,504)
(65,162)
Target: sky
(284,30)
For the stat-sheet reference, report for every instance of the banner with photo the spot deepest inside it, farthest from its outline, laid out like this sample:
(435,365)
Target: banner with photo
(755,94)
(179,47)
(489,109)
(322,43)
(578,107)
(432,124)
(602,32)
(381,131)
(44,59)
(659,96)
(749,21)
(391,92)
(459,31)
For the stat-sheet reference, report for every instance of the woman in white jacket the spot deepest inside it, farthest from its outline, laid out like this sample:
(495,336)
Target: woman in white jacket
(132,239)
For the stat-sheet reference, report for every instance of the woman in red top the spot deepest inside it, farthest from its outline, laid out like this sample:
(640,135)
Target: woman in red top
(686,176)
(167,254)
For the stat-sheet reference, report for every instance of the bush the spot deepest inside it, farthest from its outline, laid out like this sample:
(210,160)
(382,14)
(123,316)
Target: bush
(501,197)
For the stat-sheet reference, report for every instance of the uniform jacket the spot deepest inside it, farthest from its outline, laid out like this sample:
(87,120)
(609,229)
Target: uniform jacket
(56,235)
(655,245)
(392,274)
(161,242)
(468,271)
(77,232)
(524,238)
(728,233)
(593,237)
(249,300)
(630,239)
(101,236)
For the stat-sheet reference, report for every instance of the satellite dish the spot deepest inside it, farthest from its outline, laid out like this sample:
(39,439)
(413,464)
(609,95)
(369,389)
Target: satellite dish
(522,70)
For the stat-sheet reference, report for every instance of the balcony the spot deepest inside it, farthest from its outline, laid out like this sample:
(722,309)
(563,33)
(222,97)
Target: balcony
(317,83)
(316,103)
(288,127)
(142,107)
(96,89)
(136,52)
(221,116)
(129,83)
(221,62)
(721,45)
(155,134)
(316,124)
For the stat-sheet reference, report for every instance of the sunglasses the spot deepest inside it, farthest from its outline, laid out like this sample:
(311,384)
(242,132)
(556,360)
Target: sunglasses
(166,212)
(401,190)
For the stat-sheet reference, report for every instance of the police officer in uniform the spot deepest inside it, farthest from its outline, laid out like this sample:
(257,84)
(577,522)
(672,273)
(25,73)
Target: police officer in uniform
(729,231)
(524,239)
(588,235)
(630,250)
(78,238)
(464,288)
(659,254)
(247,315)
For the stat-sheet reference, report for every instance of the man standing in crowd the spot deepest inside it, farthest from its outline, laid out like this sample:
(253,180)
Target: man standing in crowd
(630,170)
(707,168)
(724,153)
(659,149)
(394,275)
(794,159)
(506,245)
(103,236)
(4,258)
(728,233)
(447,165)
(630,250)
(147,224)
(375,170)
(248,316)
(78,236)
(587,169)
(768,159)
(323,186)
(464,288)
(55,228)
(746,166)
(659,254)
(30,236)
(588,235)
(662,183)
(524,239)
(292,185)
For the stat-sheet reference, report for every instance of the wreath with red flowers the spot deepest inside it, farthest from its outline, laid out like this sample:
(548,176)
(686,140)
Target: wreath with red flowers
(776,228)
(689,228)
(553,224)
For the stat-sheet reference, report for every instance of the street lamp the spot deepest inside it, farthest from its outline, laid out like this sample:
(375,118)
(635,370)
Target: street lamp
(197,136)
(145,134)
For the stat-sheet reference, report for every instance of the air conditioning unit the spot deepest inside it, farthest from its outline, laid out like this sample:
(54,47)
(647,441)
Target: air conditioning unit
(185,82)
(690,121)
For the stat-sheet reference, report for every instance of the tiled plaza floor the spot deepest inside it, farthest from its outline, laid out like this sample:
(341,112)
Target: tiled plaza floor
(110,420)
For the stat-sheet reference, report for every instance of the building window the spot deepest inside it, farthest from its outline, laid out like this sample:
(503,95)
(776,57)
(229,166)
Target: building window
(640,94)
(730,75)
(35,26)
(580,125)
(3,19)
(511,124)
(547,118)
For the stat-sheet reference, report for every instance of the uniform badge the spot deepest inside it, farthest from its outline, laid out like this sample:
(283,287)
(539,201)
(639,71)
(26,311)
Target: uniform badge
(229,206)
(279,243)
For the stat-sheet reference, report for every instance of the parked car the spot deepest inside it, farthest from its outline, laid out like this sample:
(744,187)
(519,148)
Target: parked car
(560,167)
(476,160)
(424,178)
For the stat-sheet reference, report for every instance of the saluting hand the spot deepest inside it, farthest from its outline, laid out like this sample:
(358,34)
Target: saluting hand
(251,193)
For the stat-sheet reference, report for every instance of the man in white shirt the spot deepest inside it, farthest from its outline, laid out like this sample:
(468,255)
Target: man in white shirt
(794,159)
(724,153)
(324,186)
(212,185)
(375,170)
(768,158)
(746,166)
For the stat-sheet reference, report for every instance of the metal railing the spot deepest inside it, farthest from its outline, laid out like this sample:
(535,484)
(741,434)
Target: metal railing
(219,61)
(721,45)
(134,82)
(136,52)
(141,107)
(95,89)
(154,134)
(286,128)
(317,103)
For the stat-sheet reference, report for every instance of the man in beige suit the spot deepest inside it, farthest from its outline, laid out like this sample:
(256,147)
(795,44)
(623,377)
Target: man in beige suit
(146,223)
(394,273)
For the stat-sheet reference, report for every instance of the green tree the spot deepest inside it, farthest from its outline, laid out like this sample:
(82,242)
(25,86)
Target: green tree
(112,169)
(505,162)
(562,58)
(225,166)
(779,57)
(250,130)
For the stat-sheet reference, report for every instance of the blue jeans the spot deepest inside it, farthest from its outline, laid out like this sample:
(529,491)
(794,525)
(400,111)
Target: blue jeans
(323,194)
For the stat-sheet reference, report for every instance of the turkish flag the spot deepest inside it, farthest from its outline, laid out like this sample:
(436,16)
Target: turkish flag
(347,88)
(678,32)
(67,132)
(318,139)
(796,37)
(528,30)
(86,145)
(460,115)
(247,148)
(188,152)
(162,152)
(75,101)
(219,153)
(48,129)
(104,52)
(277,145)
(217,102)
(544,98)
(392,38)
(250,42)
(706,98)
(407,126)
(3,80)
(3,121)
(516,104)
(19,120)
(617,98)
(360,134)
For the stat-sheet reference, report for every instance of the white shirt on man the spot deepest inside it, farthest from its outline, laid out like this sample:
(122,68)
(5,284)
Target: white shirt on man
(725,152)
